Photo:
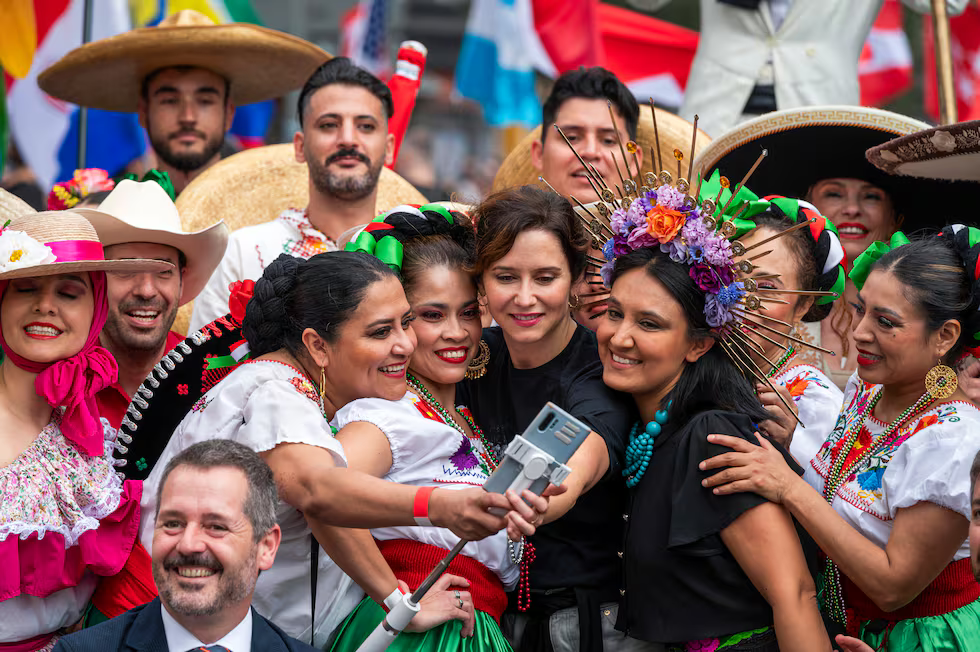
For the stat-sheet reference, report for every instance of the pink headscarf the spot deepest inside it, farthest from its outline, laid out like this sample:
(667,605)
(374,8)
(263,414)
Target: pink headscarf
(73,382)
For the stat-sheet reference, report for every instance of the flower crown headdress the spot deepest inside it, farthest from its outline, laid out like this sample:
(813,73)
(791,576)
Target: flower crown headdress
(698,229)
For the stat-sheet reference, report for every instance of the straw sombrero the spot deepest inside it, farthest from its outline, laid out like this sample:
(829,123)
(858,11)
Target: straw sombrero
(254,186)
(950,152)
(258,62)
(59,242)
(675,132)
(12,206)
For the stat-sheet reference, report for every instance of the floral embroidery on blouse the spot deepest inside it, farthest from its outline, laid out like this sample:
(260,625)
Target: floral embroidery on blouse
(201,403)
(305,387)
(53,487)
(798,384)
(465,465)
(310,241)
(863,487)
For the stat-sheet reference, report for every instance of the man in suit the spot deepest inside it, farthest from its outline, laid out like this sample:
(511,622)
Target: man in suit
(215,531)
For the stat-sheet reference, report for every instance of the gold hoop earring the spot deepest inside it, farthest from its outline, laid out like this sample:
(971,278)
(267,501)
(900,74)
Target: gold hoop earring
(478,365)
(576,304)
(941,382)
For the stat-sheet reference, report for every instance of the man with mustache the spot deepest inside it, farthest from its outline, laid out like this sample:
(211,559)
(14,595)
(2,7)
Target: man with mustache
(215,531)
(139,220)
(343,113)
(184,78)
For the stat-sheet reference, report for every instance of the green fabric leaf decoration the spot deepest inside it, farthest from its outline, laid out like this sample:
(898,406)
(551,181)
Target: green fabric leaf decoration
(864,262)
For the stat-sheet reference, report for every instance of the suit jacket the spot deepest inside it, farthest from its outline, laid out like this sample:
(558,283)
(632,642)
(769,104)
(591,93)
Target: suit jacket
(141,630)
(814,52)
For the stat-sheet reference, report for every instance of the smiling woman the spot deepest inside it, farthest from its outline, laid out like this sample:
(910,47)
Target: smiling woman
(887,496)
(65,516)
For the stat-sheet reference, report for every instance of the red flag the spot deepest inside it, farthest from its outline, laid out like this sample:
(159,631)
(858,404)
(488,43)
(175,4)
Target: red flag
(652,57)
(965,37)
(885,68)
(569,32)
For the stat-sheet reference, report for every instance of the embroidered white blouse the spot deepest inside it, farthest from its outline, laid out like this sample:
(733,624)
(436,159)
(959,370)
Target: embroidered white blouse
(818,401)
(262,404)
(250,250)
(426,452)
(930,462)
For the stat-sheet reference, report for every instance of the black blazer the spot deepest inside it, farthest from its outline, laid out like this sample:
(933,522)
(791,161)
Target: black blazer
(141,630)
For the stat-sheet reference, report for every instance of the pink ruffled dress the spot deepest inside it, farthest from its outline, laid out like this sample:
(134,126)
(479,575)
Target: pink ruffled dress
(66,518)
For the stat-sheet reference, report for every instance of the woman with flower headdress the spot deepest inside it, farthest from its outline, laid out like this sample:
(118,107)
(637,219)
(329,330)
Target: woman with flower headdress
(887,497)
(66,518)
(427,439)
(808,259)
(701,572)
(530,250)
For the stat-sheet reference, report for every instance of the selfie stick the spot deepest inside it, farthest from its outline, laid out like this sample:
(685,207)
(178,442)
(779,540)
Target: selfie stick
(524,464)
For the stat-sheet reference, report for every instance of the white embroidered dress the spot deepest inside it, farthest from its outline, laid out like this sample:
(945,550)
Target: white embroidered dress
(250,250)
(263,404)
(929,462)
(425,452)
(818,401)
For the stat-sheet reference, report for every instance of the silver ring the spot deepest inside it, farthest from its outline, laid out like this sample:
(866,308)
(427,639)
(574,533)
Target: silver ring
(459,599)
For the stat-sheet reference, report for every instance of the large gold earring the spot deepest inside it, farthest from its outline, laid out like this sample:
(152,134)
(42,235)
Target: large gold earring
(575,302)
(941,382)
(478,365)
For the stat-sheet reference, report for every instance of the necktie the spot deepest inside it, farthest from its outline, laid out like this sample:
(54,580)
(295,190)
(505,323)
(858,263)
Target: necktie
(210,648)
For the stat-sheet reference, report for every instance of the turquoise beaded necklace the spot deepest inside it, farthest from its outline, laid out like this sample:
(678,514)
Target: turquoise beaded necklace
(640,449)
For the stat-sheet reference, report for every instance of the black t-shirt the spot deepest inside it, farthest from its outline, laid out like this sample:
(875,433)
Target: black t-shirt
(681,582)
(579,549)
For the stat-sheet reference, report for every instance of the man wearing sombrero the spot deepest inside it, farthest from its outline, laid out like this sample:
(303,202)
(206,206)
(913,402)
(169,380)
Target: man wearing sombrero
(344,141)
(184,79)
(139,220)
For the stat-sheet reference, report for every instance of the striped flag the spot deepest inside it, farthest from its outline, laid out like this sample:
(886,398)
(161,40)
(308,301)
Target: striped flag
(965,42)
(885,68)
(363,37)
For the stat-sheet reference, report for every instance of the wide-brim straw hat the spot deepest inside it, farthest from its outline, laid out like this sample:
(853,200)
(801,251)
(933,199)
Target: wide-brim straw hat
(806,145)
(949,152)
(12,206)
(256,185)
(143,212)
(259,63)
(73,246)
(674,131)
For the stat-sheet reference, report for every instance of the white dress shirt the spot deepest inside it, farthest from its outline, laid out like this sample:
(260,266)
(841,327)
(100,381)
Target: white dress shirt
(180,640)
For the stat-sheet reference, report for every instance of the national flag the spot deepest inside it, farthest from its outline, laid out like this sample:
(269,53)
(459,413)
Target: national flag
(965,45)
(495,64)
(885,68)
(363,37)
(41,126)
(570,34)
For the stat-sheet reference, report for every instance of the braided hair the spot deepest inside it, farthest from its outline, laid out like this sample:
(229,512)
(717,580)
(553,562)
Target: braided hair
(416,239)
(940,275)
(295,294)
(817,250)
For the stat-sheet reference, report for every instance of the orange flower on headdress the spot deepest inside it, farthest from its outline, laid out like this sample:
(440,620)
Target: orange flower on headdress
(664,223)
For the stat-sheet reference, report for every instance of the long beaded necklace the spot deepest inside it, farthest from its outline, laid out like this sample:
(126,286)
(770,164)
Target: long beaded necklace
(833,590)
(487,453)
(525,554)
(780,365)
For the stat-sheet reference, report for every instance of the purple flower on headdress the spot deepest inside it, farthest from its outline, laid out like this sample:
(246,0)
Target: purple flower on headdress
(606,273)
(607,249)
(706,277)
(676,249)
(640,238)
(717,250)
(638,211)
(620,222)
(620,246)
(716,313)
(669,197)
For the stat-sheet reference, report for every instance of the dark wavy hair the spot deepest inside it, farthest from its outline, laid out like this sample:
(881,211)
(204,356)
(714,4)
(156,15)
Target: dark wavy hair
(713,382)
(295,294)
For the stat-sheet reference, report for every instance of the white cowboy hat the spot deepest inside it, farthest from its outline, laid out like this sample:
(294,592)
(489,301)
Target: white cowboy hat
(143,212)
